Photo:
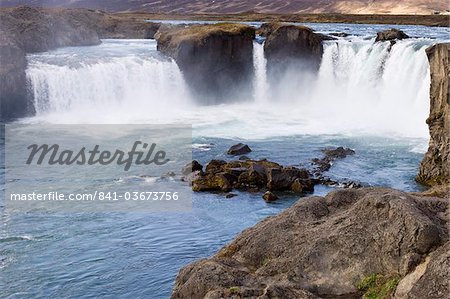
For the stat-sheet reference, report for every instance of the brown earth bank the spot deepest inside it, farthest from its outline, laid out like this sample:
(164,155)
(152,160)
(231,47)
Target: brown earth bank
(427,20)
(374,241)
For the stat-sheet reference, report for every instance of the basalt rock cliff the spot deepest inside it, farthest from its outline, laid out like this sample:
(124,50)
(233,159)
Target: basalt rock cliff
(435,167)
(216,60)
(28,30)
(290,47)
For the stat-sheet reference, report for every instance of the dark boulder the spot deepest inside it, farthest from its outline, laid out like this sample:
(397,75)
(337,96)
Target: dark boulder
(270,197)
(239,149)
(216,60)
(289,47)
(215,166)
(214,182)
(280,179)
(324,247)
(390,35)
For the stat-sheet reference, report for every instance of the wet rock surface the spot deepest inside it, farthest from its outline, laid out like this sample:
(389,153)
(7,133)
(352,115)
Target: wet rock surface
(390,35)
(331,155)
(216,60)
(323,247)
(239,149)
(250,175)
(435,167)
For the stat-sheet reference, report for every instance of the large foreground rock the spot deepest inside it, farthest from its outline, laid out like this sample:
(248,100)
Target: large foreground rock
(291,47)
(435,167)
(323,247)
(216,60)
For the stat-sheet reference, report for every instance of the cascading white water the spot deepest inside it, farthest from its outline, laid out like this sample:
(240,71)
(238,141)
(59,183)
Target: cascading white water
(124,82)
(361,87)
(385,88)
(260,82)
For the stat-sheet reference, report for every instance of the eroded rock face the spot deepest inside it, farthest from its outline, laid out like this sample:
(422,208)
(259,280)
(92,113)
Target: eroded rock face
(37,30)
(390,35)
(435,167)
(26,30)
(216,60)
(290,46)
(324,246)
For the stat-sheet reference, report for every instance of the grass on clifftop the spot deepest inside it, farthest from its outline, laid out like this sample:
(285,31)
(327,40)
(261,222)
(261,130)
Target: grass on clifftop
(198,32)
(377,286)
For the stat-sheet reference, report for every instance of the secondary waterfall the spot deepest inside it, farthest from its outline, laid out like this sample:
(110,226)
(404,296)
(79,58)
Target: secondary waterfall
(361,87)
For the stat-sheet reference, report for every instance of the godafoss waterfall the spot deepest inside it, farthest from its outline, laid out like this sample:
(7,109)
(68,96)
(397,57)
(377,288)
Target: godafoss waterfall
(372,97)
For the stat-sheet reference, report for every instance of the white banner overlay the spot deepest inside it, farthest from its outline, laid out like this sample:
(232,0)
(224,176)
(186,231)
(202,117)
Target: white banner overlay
(83,168)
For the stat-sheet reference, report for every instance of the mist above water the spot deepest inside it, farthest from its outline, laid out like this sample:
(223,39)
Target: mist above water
(361,88)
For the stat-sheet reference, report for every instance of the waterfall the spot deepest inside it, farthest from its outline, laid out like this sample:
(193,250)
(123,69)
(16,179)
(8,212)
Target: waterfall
(376,84)
(130,84)
(361,86)
(260,81)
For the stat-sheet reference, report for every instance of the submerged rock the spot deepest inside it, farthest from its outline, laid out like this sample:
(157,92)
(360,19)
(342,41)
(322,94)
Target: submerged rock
(390,35)
(435,167)
(216,60)
(292,47)
(331,155)
(239,149)
(339,34)
(323,247)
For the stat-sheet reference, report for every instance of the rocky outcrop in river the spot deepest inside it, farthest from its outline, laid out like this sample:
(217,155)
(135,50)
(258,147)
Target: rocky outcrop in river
(291,47)
(216,60)
(390,35)
(435,167)
(343,245)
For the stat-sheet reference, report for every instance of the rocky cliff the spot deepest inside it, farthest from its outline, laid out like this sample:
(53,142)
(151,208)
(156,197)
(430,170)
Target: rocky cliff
(290,47)
(343,245)
(28,30)
(216,60)
(435,167)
